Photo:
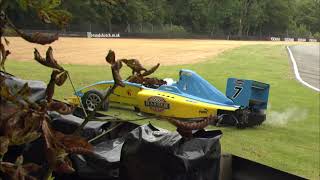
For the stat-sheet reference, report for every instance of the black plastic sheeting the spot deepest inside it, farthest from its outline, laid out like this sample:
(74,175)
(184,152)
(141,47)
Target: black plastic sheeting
(69,123)
(133,152)
(149,153)
(38,88)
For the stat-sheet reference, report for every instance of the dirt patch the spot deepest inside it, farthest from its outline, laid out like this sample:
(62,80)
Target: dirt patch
(148,51)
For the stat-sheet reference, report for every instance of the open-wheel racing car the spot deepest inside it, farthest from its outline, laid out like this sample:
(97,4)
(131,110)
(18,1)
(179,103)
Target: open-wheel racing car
(191,97)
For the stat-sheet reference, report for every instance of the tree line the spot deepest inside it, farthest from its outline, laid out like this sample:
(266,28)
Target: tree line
(292,18)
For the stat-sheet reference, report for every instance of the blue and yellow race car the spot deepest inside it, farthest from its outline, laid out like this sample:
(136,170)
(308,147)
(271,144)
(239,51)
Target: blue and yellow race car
(191,97)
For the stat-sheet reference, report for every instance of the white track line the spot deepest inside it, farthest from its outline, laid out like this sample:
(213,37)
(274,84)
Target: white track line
(296,72)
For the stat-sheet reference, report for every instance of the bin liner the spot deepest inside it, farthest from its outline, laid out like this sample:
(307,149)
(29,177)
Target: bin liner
(104,163)
(149,153)
(38,88)
(69,123)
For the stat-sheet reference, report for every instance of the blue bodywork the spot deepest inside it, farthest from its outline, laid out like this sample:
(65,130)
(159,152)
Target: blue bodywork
(248,93)
(194,87)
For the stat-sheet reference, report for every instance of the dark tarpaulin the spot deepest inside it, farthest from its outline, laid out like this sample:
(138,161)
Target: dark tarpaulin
(149,153)
(38,88)
(104,163)
(69,123)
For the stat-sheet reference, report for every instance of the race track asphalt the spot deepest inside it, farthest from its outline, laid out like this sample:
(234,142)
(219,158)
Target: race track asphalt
(307,58)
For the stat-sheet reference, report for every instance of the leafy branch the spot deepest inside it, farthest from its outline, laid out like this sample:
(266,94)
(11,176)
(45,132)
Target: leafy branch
(26,121)
(116,65)
(48,11)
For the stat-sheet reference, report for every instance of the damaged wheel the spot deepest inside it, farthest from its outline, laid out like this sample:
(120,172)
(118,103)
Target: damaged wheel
(247,118)
(243,116)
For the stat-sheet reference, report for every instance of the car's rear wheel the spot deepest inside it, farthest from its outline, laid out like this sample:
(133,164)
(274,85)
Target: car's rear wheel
(92,98)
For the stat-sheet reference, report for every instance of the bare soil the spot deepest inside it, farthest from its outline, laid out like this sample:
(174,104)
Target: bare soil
(92,51)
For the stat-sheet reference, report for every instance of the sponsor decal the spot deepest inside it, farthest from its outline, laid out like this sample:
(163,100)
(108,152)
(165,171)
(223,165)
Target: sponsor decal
(203,111)
(275,39)
(239,82)
(312,40)
(157,104)
(188,100)
(289,39)
(129,92)
(102,35)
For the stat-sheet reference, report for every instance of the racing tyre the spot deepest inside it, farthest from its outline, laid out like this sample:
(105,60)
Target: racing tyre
(247,118)
(92,98)
(243,119)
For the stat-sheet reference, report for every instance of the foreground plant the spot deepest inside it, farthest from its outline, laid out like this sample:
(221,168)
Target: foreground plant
(116,65)
(47,11)
(25,121)
(18,170)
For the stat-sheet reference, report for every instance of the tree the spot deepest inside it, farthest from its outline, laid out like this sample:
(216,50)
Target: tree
(199,15)
(232,17)
(279,15)
(307,14)
(218,13)
(157,12)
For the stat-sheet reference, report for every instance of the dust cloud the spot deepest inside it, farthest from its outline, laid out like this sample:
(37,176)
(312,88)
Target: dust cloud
(282,118)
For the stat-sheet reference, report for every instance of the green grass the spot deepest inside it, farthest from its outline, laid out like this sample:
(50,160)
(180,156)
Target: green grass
(288,140)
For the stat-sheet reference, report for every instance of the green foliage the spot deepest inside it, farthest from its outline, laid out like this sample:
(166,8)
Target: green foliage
(23,4)
(316,35)
(301,31)
(308,13)
(198,14)
(10,32)
(228,17)
(167,28)
(278,13)
(48,11)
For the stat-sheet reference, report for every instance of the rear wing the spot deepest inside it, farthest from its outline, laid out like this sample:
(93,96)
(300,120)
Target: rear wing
(248,93)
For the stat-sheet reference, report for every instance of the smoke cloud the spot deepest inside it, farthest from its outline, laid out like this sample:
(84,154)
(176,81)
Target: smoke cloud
(294,114)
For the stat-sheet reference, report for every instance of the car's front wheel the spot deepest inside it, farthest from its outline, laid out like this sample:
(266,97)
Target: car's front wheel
(92,98)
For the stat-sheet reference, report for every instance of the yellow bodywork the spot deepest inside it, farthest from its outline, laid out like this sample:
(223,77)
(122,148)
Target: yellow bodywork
(157,102)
